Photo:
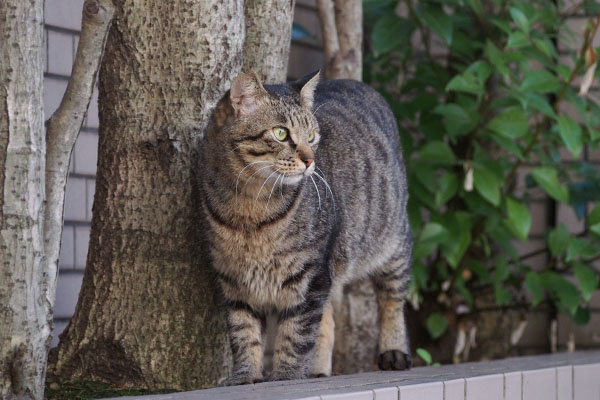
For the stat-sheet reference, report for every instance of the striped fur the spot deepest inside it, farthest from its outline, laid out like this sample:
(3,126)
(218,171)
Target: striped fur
(291,222)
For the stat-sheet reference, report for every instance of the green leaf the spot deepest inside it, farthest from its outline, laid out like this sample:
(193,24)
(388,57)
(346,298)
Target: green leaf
(564,290)
(433,232)
(502,270)
(519,218)
(481,69)
(571,134)
(594,217)
(558,240)
(419,274)
(517,40)
(533,283)
(512,123)
(540,81)
(545,46)
(502,295)
(448,186)
(582,316)
(539,103)
(595,229)
(508,144)
(457,120)
(389,32)
(496,57)
(437,152)
(476,6)
(547,178)
(425,356)
(588,280)
(520,19)
(434,18)
(580,248)
(436,325)
(458,225)
(465,82)
(487,184)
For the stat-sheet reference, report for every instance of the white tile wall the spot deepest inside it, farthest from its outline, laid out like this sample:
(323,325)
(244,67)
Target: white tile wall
(490,387)
(423,391)
(454,389)
(586,382)
(540,384)
(564,383)
(390,393)
(512,385)
(364,395)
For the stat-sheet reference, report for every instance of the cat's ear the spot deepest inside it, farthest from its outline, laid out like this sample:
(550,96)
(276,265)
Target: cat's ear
(247,94)
(307,93)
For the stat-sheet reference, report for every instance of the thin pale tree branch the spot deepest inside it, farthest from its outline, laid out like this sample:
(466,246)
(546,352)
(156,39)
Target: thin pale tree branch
(341,26)
(65,124)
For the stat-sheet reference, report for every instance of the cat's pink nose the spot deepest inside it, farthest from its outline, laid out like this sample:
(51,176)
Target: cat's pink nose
(308,161)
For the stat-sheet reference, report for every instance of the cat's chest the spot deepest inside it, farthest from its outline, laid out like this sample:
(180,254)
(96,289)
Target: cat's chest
(259,265)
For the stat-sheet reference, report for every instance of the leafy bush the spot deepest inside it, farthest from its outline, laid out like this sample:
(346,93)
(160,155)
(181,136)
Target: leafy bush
(480,91)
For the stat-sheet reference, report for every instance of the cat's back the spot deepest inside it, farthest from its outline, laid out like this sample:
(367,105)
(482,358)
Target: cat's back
(350,110)
(360,155)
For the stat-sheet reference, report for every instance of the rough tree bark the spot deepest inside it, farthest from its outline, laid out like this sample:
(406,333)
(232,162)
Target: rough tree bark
(148,314)
(30,168)
(268,38)
(24,323)
(355,313)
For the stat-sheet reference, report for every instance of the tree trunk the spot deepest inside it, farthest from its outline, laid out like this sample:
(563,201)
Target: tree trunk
(25,313)
(268,38)
(341,24)
(148,313)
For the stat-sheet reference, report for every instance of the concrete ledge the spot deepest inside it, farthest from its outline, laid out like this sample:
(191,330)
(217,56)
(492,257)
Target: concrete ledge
(572,376)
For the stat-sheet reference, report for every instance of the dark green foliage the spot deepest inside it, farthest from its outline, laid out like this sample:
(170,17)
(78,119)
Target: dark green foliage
(479,90)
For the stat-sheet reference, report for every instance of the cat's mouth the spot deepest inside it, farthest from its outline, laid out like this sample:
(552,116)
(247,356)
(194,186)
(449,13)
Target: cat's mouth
(309,170)
(292,179)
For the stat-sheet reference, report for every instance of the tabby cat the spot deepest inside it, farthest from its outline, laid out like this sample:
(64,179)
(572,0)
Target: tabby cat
(304,190)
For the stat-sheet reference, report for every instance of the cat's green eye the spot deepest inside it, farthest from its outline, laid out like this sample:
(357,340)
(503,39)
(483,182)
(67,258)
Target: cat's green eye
(280,133)
(311,136)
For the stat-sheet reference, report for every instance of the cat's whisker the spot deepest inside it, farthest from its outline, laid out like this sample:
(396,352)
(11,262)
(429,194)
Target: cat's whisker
(281,186)
(235,148)
(256,172)
(323,178)
(265,182)
(327,185)
(243,169)
(314,183)
(315,112)
(272,187)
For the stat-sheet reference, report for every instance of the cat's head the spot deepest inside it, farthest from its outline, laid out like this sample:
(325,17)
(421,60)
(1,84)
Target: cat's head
(273,131)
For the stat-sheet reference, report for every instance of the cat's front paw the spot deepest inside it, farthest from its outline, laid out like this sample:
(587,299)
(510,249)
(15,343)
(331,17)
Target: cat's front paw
(242,379)
(394,360)
(285,375)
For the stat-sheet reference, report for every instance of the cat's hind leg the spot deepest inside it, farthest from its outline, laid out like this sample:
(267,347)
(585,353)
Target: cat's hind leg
(391,286)
(321,364)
